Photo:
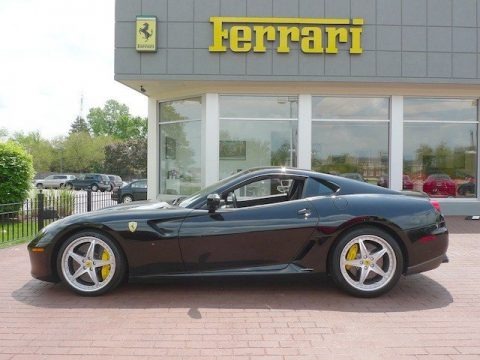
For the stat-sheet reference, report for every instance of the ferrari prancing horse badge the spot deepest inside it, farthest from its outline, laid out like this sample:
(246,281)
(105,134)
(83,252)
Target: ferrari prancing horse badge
(132,226)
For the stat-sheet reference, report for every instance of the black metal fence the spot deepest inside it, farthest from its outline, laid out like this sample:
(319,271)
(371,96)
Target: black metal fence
(21,221)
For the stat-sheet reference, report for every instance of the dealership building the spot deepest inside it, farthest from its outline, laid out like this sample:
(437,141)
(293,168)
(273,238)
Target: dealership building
(384,91)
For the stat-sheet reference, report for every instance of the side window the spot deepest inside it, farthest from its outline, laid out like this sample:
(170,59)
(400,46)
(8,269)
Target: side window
(268,190)
(316,187)
(264,188)
(140,185)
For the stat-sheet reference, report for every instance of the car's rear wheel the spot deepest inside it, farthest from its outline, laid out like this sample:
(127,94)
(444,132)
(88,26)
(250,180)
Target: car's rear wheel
(127,199)
(94,187)
(90,263)
(69,186)
(366,262)
(39,186)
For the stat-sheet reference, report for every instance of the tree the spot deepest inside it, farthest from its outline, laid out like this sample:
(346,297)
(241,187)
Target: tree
(16,173)
(40,149)
(115,120)
(83,153)
(3,133)
(79,125)
(127,158)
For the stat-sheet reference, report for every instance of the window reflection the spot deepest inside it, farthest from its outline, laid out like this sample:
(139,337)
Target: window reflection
(268,107)
(357,150)
(441,158)
(180,146)
(187,109)
(440,109)
(250,143)
(350,108)
(246,140)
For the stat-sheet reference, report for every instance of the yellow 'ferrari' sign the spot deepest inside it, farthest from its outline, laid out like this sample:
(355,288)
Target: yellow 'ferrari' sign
(314,36)
(146,33)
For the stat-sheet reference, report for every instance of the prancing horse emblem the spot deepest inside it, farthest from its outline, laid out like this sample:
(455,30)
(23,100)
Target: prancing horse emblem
(132,226)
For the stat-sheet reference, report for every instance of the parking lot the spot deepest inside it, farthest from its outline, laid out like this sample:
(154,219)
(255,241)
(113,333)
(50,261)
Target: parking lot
(435,315)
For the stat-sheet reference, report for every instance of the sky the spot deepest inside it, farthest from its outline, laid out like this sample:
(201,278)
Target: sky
(51,53)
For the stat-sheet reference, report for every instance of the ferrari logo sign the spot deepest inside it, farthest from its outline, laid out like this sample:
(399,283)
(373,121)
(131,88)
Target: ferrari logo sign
(132,226)
(146,34)
(312,35)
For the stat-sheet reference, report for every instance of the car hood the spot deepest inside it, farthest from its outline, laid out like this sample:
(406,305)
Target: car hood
(145,210)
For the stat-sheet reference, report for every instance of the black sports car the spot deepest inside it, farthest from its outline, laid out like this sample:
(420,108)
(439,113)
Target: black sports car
(260,221)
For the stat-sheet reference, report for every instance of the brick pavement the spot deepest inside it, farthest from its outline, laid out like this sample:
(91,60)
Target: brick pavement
(435,315)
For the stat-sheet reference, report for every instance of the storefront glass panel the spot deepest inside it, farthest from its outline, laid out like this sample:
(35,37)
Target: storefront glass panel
(253,107)
(261,141)
(180,147)
(352,149)
(440,156)
(347,108)
(355,147)
(440,109)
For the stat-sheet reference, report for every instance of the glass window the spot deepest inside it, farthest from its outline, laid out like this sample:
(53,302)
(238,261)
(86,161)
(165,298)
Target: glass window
(139,185)
(441,158)
(350,137)
(180,147)
(178,110)
(357,150)
(246,143)
(440,109)
(350,108)
(269,107)
(263,188)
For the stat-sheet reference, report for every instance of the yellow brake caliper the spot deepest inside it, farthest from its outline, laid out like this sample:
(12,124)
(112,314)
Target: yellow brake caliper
(352,254)
(105,268)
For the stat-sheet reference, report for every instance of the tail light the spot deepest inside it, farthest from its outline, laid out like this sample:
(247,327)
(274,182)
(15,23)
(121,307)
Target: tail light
(436,205)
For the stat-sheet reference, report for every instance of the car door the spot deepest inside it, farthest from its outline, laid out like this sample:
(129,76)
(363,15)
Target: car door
(139,190)
(49,181)
(265,235)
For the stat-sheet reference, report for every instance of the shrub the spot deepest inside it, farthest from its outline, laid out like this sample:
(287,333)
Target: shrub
(16,173)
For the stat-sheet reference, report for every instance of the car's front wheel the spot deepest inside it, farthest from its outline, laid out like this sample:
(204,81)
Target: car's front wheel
(94,187)
(366,262)
(90,263)
(69,186)
(127,199)
(39,186)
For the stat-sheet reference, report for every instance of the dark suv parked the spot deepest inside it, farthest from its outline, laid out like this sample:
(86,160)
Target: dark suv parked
(115,181)
(93,181)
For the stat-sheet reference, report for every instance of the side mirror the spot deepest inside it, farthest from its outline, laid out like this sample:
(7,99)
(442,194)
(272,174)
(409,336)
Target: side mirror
(213,202)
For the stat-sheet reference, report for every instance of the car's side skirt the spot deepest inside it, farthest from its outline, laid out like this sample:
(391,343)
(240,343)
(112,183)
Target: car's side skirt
(281,269)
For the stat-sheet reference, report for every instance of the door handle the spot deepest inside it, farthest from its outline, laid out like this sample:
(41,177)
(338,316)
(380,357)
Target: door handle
(305,212)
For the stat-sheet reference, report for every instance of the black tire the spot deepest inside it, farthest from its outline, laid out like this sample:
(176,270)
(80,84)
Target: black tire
(94,187)
(360,275)
(39,186)
(68,266)
(69,186)
(127,199)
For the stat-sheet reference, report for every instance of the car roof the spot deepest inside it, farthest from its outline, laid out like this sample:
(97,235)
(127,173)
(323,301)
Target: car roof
(346,185)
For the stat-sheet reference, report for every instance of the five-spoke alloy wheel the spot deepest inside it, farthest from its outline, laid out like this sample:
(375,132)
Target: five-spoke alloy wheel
(366,262)
(90,263)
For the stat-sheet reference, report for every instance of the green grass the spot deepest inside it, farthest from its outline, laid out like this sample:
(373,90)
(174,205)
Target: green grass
(17,232)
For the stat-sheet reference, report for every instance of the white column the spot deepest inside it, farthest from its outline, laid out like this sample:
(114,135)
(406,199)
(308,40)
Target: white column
(153,150)
(210,139)
(396,144)
(304,148)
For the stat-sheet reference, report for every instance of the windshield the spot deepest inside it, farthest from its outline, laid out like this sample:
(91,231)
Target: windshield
(209,189)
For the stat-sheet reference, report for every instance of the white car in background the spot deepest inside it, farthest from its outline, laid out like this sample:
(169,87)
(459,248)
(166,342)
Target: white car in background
(53,181)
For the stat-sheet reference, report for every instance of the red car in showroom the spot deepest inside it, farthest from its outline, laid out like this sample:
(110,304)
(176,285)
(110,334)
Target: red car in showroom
(439,185)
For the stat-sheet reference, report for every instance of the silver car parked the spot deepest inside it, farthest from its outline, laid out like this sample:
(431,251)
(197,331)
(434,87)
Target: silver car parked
(53,181)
